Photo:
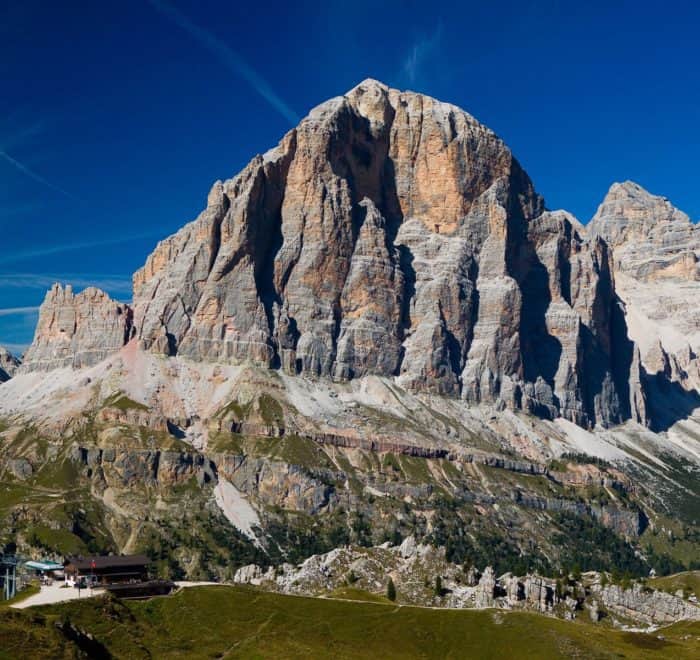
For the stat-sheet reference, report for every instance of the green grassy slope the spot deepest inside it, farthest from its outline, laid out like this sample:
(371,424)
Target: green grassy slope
(233,622)
(688,582)
(29,590)
(26,634)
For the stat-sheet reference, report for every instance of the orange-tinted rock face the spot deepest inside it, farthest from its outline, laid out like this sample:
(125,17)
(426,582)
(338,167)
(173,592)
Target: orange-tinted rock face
(391,234)
(387,234)
(443,159)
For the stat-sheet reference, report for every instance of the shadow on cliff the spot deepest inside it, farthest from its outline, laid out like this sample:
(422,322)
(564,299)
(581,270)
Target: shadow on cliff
(540,350)
(365,164)
(622,349)
(267,240)
(668,402)
(409,275)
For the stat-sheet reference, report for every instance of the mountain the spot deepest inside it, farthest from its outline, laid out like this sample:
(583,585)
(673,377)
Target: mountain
(8,364)
(375,330)
(385,219)
(652,240)
(77,330)
(656,251)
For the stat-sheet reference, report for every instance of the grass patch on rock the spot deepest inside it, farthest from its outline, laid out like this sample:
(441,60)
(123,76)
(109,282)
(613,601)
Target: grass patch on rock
(351,593)
(688,582)
(121,401)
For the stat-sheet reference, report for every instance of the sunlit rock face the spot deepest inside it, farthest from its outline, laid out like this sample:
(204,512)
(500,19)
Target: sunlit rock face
(651,238)
(656,252)
(393,234)
(77,330)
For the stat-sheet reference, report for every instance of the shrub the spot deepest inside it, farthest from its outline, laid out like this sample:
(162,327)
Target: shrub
(390,590)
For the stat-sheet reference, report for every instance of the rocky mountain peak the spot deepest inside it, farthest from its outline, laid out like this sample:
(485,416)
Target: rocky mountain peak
(651,238)
(392,234)
(387,234)
(8,364)
(77,330)
(656,250)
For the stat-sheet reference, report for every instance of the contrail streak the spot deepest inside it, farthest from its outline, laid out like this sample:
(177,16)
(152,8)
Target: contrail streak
(10,311)
(23,134)
(33,175)
(45,280)
(55,249)
(229,57)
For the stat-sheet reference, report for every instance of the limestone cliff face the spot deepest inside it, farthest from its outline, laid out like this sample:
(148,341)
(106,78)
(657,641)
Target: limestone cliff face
(8,364)
(77,330)
(651,238)
(393,234)
(656,253)
(648,606)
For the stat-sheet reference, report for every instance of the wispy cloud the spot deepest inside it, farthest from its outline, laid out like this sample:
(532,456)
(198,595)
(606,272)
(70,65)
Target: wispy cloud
(21,135)
(424,48)
(70,247)
(113,283)
(33,175)
(13,311)
(229,57)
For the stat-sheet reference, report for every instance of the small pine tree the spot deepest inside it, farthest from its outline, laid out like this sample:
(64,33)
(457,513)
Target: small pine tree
(560,589)
(438,586)
(576,573)
(616,577)
(391,590)
(604,579)
(626,582)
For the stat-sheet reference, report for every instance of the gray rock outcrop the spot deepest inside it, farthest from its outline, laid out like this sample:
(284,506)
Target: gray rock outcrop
(532,592)
(651,238)
(77,330)
(647,605)
(486,589)
(8,364)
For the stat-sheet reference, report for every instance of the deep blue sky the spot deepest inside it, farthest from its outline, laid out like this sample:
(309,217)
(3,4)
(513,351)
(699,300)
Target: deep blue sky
(116,117)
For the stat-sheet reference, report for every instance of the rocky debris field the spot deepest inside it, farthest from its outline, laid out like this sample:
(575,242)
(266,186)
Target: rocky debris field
(421,575)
